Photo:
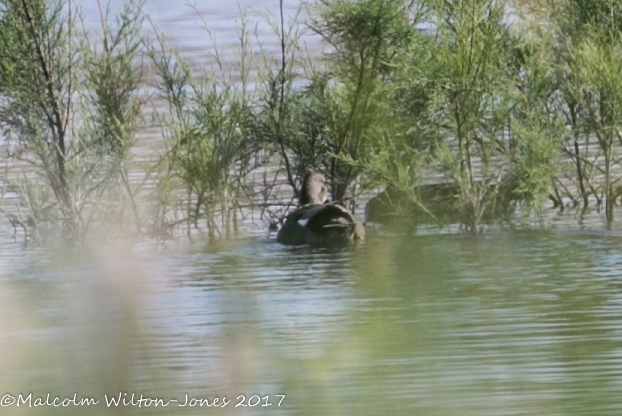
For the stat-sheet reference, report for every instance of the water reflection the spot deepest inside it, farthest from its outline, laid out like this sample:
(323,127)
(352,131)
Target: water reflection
(512,323)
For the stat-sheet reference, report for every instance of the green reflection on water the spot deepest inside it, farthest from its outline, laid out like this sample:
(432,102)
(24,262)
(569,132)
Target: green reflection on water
(510,323)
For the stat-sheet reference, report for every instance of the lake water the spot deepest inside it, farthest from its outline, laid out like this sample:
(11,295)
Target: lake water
(511,323)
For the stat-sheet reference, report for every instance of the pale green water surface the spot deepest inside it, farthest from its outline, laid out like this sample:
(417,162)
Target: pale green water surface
(512,323)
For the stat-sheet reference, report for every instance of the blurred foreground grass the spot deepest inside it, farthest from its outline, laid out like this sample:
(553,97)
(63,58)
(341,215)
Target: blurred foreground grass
(517,323)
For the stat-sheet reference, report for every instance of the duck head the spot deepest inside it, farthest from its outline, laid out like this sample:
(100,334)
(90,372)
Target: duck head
(313,190)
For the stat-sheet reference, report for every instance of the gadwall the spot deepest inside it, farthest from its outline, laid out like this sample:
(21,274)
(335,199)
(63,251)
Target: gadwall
(316,221)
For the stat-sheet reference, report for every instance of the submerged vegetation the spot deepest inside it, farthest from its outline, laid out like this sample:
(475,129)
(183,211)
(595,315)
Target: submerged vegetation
(507,104)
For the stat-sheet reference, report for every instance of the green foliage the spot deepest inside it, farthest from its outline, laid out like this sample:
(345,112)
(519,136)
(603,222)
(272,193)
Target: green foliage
(366,37)
(36,73)
(276,112)
(583,96)
(472,102)
(600,73)
(210,146)
(406,90)
(606,15)
(70,110)
(534,165)
(536,131)
(111,73)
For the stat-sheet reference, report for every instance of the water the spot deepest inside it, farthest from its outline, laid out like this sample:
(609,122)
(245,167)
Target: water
(506,324)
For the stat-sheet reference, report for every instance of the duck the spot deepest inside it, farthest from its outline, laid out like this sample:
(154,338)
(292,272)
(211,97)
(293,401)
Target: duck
(317,221)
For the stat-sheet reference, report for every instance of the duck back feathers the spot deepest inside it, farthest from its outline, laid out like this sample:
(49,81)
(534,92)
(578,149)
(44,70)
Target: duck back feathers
(318,223)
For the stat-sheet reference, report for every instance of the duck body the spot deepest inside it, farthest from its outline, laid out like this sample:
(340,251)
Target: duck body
(317,223)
